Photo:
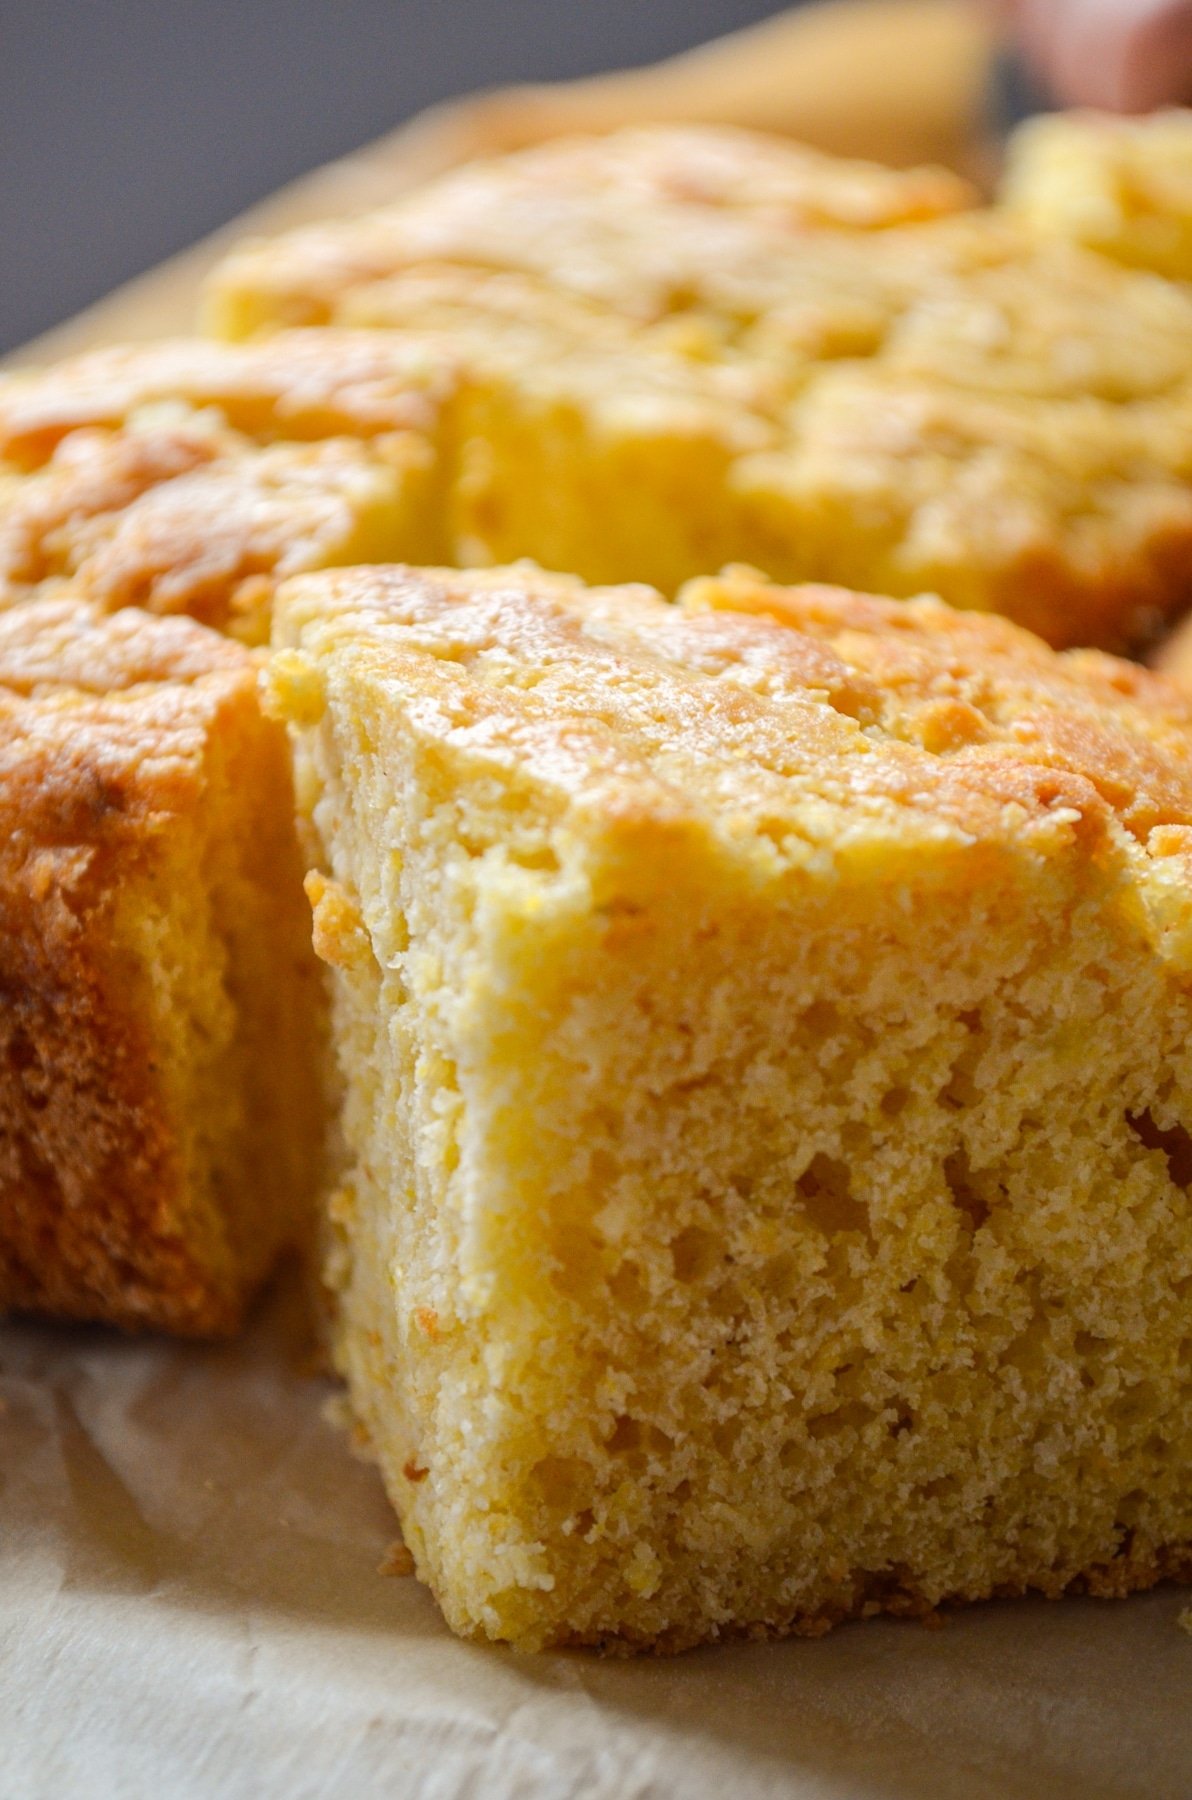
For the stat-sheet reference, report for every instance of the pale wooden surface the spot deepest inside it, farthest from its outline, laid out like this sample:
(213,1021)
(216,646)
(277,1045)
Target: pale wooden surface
(901,81)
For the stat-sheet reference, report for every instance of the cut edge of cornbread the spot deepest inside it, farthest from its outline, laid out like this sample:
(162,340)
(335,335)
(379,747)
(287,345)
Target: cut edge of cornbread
(161,1106)
(768,1098)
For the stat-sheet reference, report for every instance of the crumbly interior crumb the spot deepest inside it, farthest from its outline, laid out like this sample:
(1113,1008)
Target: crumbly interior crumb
(769,1151)
(238,1009)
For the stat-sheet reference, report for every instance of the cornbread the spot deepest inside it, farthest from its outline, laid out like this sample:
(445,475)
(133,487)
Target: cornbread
(191,476)
(1122,186)
(766,1031)
(638,357)
(160,1106)
(680,347)
(625,220)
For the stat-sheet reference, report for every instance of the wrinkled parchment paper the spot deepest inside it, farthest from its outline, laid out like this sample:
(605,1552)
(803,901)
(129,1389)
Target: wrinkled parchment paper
(190,1604)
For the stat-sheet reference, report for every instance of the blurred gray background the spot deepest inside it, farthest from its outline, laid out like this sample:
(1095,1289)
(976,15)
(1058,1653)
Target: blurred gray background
(128,128)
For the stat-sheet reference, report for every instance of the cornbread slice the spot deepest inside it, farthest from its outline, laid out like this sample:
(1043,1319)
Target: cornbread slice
(684,346)
(766,1031)
(1071,517)
(1122,186)
(646,220)
(190,476)
(160,1109)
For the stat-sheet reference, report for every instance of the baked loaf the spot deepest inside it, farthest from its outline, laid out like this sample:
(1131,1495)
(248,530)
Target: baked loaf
(765,1024)
(160,1103)
(686,346)
(1122,186)
(190,476)
(639,357)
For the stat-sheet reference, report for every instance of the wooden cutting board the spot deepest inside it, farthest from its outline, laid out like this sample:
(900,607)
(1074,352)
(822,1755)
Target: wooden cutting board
(901,81)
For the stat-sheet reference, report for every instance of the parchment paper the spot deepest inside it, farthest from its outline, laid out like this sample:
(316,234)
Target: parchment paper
(190,1604)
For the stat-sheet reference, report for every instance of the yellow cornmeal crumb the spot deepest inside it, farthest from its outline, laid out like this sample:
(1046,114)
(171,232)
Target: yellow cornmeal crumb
(769,1098)
(1121,186)
(626,218)
(683,346)
(1184,1620)
(396,1560)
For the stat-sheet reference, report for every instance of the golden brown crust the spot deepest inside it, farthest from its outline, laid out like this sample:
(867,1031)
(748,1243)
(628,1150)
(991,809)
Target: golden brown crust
(306,386)
(978,691)
(190,477)
(704,345)
(89,1170)
(1073,516)
(103,726)
(944,716)
(628,215)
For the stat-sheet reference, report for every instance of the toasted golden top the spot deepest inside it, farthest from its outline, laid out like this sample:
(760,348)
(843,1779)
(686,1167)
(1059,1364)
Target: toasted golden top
(789,184)
(105,729)
(65,646)
(801,726)
(959,401)
(188,476)
(307,385)
(644,220)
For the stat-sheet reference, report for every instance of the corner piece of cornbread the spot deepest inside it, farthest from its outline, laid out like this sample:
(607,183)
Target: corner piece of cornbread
(161,1015)
(767,1032)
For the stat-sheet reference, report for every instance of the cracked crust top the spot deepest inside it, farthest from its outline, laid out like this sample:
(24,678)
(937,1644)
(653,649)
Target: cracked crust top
(796,720)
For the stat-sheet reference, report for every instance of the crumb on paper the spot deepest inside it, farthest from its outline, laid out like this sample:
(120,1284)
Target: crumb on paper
(1184,1620)
(337,1411)
(396,1560)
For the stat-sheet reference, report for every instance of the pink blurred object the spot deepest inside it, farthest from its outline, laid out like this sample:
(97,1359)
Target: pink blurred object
(1123,55)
